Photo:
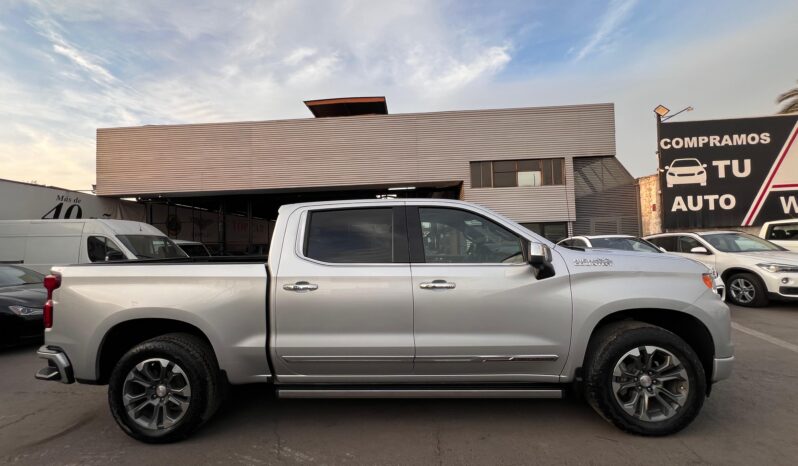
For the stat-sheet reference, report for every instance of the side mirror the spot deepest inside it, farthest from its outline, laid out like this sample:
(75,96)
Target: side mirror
(114,256)
(699,250)
(704,165)
(663,249)
(538,254)
(667,167)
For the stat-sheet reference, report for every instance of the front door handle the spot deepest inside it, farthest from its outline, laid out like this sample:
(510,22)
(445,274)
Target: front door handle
(436,285)
(300,287)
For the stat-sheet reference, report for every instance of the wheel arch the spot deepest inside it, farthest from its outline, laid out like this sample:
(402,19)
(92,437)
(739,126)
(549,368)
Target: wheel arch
(687,327)
(127,334)
(735,270)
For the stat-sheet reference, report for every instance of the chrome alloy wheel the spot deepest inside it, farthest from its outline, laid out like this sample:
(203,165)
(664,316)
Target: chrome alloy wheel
(742,290)
(156,394)
(650,383)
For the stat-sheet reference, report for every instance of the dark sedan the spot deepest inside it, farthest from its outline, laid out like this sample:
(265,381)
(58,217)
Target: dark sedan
(22,297)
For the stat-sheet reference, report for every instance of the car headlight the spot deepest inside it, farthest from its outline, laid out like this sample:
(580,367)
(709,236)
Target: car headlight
(23,311)
(779,268)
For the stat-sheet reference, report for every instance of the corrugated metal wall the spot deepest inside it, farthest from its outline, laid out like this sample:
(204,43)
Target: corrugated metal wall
(606,198)
(360,150)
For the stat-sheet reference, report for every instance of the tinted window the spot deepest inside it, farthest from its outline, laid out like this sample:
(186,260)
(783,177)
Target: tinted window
(624,244)
(686,243)
(666,242)
(11,275)
(784,232)
(100,247)
(194,250)
(457,236)
(362,236)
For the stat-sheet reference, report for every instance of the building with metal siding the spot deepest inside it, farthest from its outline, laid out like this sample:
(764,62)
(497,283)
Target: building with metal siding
(247,169)
(607,200)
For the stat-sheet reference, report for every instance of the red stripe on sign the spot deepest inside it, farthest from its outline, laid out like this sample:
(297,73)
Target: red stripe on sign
(764,194)
(793,185)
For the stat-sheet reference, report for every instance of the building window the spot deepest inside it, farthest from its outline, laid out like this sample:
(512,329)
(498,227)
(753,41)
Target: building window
(512,173)
(552,231)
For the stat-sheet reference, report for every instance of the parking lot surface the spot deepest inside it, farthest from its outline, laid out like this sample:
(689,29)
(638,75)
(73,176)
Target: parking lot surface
(751,418)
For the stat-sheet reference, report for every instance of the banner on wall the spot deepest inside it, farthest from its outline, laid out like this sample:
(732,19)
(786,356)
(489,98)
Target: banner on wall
(24,201)
(729,173)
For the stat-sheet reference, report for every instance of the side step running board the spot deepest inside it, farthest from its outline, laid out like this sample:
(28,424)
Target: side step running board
(417,393)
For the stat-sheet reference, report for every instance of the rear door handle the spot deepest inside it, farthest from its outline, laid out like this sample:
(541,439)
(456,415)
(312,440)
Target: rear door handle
(300,287)
(437,285)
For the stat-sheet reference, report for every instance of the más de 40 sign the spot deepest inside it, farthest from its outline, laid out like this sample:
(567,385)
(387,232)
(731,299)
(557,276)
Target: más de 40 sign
(727,173)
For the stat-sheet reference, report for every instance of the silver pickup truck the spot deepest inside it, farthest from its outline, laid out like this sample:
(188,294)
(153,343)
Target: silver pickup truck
(392,298)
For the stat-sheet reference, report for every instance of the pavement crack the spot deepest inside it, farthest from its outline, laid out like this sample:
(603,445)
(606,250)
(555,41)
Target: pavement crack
(40,410)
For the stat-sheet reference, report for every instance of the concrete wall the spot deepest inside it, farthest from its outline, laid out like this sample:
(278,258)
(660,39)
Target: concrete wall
(650,210)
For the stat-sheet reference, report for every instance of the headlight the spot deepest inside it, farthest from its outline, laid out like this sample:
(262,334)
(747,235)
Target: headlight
(23,311)
(779,268)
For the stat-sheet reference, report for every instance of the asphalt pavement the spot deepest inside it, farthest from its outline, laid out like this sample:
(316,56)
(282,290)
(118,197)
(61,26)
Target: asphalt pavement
(751,418)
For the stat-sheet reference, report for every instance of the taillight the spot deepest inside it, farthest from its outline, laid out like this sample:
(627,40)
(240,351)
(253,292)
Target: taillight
(51,283)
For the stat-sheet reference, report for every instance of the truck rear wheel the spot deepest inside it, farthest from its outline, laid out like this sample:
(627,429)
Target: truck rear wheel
(644,379)
(165,388)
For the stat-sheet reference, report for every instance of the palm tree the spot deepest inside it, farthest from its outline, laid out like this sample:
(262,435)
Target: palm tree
(790,99)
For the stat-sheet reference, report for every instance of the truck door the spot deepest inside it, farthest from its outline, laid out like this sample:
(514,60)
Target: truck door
(480,314)
(344,302)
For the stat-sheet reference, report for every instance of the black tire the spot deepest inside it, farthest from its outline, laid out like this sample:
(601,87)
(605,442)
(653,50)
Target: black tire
(199,368)
(609,345)
(760,292)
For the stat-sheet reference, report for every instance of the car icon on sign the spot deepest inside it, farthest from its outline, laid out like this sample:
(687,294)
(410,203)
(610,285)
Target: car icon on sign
(686,171)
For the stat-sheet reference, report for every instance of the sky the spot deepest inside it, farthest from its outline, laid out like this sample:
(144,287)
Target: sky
(68,67)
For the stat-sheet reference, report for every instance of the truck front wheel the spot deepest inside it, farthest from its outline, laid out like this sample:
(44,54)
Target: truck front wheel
(644,379)
(165,388)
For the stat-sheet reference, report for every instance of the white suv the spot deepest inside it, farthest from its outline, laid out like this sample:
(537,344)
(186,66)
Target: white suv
(753,269)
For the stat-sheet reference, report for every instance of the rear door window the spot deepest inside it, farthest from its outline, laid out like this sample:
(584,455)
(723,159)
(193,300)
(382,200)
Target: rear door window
(356,236)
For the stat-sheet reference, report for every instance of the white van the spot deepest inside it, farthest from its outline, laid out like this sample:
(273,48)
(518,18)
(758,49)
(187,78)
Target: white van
(41,244)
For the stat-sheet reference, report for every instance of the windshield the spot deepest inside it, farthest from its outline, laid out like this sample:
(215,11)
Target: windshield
(151,247)
(12,275)
(624,244)
(681,163)
(740,242)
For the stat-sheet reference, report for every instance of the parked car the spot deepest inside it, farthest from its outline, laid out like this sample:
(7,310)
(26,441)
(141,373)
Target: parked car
(686,171)
(630,243)
(781,232)
(22,297)
(192,248)
(392,298)
(754,270)
(617,242)
(40,244)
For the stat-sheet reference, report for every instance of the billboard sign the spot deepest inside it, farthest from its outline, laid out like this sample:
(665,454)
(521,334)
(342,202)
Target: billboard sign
(728,173)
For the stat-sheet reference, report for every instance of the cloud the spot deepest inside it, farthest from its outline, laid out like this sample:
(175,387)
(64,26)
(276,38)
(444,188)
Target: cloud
(84,64)
(618,12)
(448,74)
(298,55)
(83,60)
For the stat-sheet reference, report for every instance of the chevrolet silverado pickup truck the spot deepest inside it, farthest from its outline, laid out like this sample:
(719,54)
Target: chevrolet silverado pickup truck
(392,298)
